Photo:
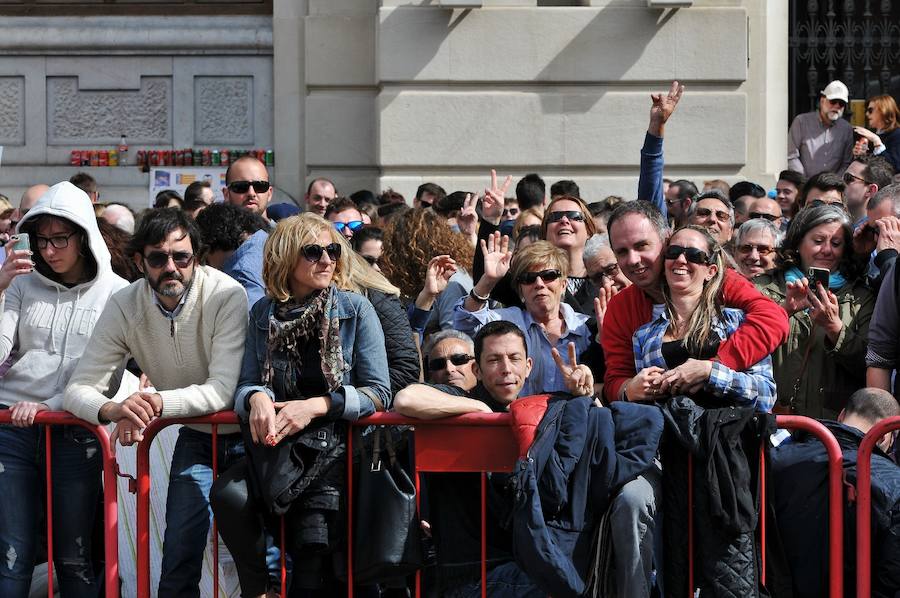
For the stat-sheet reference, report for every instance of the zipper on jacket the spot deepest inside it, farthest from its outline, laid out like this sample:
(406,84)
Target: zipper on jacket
(172,327)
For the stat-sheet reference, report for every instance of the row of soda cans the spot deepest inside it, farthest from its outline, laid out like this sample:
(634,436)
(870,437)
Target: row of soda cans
(145,159)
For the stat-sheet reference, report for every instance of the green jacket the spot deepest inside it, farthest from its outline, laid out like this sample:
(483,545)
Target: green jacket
(832,372)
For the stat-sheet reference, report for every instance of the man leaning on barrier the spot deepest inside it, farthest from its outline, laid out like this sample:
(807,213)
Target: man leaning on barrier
(184,324)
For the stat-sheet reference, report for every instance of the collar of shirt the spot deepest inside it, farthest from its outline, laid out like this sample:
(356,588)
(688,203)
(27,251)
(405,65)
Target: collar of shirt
(174,313)
(572,319)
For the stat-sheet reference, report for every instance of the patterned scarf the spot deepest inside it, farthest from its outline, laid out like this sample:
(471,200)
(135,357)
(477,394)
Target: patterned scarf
(295,322)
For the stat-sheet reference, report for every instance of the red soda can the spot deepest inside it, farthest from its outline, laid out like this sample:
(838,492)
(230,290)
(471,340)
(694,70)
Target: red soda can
(141,158)
(207,158)
(179,158)
(75,158)
(103,158)
(95,158)
(188,157)
(224,157)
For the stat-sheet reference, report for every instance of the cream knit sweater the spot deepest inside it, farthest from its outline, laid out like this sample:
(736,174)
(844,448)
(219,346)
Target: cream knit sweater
(193,361)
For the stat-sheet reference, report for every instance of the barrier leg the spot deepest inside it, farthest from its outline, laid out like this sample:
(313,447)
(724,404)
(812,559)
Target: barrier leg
(48,449)
(690,482)
(350,511)
(215,531)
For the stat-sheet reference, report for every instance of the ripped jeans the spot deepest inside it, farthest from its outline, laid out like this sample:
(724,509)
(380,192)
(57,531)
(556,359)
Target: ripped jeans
(76,467)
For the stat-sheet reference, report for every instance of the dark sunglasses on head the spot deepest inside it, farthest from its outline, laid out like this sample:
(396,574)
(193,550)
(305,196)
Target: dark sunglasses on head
(439,363)
(609,271)
(244,186)
(691,254)
(721,215)
(353,225)
(545,275)
(313,252)
(747,249)
(571,215)
(816,203)
(769,217)
(158,259)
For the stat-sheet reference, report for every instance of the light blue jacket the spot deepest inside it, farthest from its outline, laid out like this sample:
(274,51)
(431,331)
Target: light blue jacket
(365,359)
(245,266)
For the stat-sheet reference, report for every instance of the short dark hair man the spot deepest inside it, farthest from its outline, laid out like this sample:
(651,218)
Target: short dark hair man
(741,195)
(863,178)
(564,187)
(824,188)
(184,325)
(247,185)
(234,240)
(197,197)
(86,183)
(679,198)
(713,211)
(799,480)
(319,194)
(531,191)
(428,195)
(345,216)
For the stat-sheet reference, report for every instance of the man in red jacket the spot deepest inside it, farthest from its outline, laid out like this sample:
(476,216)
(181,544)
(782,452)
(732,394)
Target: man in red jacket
(638,234)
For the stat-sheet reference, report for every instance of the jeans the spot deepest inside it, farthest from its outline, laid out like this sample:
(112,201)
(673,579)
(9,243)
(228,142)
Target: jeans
(76,466)
(188,514)
(504,581)
(632,518)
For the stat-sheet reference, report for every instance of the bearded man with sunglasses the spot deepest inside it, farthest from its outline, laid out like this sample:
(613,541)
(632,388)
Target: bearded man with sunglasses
(184,324)
(247,185)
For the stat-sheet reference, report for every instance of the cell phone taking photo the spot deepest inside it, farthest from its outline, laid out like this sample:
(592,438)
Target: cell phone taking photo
(818,275)
(21,242)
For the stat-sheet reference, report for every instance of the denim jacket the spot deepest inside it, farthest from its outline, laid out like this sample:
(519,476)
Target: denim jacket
(365,359)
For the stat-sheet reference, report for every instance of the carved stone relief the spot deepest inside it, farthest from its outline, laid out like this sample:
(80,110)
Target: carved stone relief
(223,110)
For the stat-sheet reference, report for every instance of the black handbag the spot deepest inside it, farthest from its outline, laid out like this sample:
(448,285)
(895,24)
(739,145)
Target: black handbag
(387,540)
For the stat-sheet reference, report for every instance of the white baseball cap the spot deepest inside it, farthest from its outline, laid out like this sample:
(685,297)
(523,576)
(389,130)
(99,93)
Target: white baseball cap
(837,91)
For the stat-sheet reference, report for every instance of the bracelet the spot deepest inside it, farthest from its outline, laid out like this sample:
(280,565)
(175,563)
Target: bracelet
(479,298)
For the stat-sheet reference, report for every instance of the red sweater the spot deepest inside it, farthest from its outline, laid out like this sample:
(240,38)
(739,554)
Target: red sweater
(765,327)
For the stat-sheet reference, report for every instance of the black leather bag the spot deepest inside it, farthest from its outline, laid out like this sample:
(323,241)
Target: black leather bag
(387,539)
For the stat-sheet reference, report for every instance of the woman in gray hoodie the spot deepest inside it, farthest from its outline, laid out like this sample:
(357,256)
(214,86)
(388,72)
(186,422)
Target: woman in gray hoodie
(51,299)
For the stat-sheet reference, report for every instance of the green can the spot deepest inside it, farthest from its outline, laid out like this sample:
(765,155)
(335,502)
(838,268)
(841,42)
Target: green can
(216,158)
(270,158)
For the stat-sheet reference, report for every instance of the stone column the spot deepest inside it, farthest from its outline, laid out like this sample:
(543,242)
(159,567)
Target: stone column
(289,97)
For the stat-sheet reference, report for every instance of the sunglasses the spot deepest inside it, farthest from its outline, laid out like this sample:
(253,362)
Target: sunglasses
(817,203)
(609,271)
(691,254)
(769,217)
(158,259)
(510,211)
(721,215)
(244,186)
(373,261)
(313,252)
(763,250)
(439,363)
(353,225)
(531,277)
(849,178)
(570,215)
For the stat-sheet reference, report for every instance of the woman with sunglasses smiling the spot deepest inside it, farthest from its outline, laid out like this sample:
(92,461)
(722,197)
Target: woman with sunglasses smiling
(539,272)
(52,297)
(883,116)
(822,361)
(674,353)
(568,225)
(314,359)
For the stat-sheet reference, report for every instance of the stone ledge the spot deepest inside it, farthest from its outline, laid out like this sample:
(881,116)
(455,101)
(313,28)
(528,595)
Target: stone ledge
(136,35)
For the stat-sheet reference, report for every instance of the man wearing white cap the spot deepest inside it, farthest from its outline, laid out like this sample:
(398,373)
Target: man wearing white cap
(821,140)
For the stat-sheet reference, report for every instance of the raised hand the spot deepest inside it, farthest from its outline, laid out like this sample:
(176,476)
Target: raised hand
(662,108)
(601,304)
(494,199)
(17,262)
(888,233)
(467,219)
(578,378)
(497,257)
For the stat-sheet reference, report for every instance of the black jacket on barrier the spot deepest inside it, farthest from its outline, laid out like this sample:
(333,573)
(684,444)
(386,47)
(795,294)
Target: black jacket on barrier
(581,455)
(725,444)
(403,356)
(800,497)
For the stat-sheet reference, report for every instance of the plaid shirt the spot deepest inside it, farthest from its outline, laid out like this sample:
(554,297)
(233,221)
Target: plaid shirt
(754,387)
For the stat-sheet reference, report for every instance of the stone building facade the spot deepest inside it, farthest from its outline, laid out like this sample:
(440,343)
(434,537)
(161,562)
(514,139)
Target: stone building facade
(392,93)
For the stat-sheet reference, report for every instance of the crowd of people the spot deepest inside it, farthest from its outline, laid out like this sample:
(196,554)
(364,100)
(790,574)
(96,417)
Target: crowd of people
(619,333)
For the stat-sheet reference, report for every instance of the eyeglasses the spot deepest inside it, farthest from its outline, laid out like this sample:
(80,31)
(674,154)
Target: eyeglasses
(439,363)
(609,271)
(313,252)
(244,186)
(769,217)
(531,277)
(158,259)
(353,225)
(373,261)
(571,215)
(763,250)
(721,215)
(510,211)
(691,254)
(58,241)
(848,179)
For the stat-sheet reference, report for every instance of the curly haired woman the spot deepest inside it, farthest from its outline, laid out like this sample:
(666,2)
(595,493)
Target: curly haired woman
(420,247)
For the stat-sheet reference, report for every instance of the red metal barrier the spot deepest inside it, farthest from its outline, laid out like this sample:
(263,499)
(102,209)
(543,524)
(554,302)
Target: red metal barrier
(110,499)
(864,504)
(835,496)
